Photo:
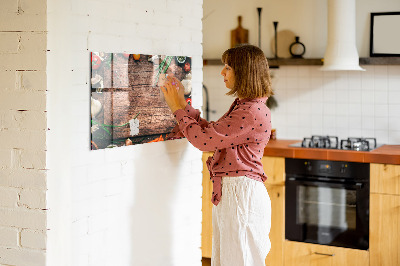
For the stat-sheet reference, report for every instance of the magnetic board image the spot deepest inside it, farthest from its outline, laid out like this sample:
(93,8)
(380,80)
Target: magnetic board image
(127,104)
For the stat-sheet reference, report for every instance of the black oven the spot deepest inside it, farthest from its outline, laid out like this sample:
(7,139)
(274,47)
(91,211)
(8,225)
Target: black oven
(327,202)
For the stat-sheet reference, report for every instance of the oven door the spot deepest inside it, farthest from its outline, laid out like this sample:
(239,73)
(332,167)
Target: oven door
(327,213)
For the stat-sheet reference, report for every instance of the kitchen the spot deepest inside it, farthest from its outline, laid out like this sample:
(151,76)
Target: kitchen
(313,104)
(54,189)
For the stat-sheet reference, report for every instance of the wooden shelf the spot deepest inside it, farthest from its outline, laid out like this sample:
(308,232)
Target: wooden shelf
(380,61)
(212,62)
(273,63)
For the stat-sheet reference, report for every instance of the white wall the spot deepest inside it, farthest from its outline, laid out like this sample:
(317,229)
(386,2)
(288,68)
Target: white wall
(306,19)
(23,133)
(136,205)
(311,102)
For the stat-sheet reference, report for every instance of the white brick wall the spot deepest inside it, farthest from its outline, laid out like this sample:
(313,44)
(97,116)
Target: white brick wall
(23,132)
(136,205)
(34,239)
(9,237)
(8,197)
(24,256)
(92,196)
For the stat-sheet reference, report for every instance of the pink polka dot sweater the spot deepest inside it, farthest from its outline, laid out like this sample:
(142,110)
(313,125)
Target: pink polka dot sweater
(238,139)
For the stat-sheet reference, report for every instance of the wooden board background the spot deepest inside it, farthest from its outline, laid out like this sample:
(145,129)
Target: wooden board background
(122,102)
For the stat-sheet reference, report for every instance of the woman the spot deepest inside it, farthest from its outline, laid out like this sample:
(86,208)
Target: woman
(242,208)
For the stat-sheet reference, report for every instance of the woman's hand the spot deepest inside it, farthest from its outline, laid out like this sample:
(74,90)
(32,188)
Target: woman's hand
(174,94)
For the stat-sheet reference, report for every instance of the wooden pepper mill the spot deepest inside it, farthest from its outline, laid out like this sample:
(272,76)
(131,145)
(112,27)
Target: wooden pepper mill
(239,35)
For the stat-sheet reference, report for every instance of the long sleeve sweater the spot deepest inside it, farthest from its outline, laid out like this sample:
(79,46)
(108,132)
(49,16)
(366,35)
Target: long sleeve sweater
(238,139)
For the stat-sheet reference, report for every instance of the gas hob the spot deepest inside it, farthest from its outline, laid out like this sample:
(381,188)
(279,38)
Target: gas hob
(332,142)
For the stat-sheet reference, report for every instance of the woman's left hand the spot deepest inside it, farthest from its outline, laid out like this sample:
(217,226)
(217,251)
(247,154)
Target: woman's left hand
(172,96)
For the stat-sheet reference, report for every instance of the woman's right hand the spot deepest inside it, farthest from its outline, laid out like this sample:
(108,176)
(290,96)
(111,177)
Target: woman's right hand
(174,94)
(181,91)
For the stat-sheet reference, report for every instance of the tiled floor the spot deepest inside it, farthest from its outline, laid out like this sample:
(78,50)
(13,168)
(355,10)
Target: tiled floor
(206,261)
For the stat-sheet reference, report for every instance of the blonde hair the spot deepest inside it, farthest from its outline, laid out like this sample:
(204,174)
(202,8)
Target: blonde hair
(250,66)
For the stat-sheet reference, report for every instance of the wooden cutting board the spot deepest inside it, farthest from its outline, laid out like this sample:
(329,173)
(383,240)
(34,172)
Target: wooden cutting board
(239,35)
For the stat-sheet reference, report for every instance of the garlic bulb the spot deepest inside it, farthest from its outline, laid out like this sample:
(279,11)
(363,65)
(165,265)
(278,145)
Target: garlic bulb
(187,83)
(95,107)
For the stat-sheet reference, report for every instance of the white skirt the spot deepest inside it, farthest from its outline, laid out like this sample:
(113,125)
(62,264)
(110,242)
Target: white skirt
(241,223)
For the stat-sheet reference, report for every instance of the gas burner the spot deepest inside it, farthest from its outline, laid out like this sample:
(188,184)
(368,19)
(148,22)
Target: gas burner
(332,142)
(327,142)
(358,144)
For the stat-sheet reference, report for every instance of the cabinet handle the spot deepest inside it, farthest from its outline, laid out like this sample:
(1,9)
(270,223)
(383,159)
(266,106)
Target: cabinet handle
(324,254)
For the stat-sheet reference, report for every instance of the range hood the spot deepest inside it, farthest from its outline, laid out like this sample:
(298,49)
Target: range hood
(341,51)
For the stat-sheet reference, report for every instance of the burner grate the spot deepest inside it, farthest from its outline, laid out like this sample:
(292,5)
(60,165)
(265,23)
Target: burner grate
(358,144)
(332,142)
(327,142)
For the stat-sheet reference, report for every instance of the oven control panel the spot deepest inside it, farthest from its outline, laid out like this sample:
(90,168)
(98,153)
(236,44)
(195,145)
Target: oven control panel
(337,169)
(325,167)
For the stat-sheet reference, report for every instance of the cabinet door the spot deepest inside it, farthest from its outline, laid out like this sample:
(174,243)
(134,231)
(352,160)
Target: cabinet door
(304,254)
(385,178)
(277,233)
(206,232)
(274,168)
(384,230)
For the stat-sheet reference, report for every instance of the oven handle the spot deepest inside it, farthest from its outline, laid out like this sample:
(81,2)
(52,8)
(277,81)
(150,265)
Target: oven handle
(357,185)
(324,254)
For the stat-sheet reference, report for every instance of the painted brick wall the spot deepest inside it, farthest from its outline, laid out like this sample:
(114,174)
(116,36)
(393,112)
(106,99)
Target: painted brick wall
(136,205)
(139,205)
(23,133)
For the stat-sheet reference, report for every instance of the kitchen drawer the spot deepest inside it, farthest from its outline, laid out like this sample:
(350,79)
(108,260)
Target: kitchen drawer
(305,254)
(274,168)
(385,178)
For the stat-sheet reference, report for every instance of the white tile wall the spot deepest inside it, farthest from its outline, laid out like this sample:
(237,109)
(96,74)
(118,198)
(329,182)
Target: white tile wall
(342,103)
(312,102)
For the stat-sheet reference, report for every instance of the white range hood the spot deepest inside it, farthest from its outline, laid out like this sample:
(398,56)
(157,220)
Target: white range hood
(341,51)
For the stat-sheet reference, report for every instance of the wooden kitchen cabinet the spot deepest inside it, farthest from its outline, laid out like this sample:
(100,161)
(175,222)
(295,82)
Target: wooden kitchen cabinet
(385,215)
(206,225)
(384,236)
(305,254)
(385,178)
(277,233)
(274,168)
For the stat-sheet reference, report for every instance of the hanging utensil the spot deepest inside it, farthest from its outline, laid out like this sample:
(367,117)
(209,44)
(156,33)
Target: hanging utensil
(259,9)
